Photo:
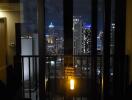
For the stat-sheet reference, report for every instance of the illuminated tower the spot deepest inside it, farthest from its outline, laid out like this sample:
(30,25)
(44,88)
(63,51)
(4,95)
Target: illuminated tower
(77,35)
(112,38)
(100,42)
(86,39)
(51,39)
(51,29)
(112,32)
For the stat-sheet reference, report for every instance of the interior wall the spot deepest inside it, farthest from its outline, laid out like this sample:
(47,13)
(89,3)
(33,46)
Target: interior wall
(12,17)
(2,49)
(129,36)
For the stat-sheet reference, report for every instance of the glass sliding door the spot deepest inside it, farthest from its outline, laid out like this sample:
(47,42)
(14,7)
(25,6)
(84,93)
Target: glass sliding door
(80,42)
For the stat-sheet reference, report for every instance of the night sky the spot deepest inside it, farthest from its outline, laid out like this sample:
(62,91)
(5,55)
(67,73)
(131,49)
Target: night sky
(54,11)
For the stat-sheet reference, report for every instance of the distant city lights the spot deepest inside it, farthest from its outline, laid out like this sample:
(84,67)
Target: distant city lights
(87,26)
(51,25)
(52,63)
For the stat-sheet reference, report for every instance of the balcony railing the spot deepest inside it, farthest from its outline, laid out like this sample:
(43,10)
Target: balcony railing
(57,74)
(30,73)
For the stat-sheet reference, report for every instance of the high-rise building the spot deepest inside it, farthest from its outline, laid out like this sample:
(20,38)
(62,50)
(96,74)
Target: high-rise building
(112,38)
(77,35)
(86,41)
(51,29)
(54,40)
(50,39)
(100,42)
(81,36)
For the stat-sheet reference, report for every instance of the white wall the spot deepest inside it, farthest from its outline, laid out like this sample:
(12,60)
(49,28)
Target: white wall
(129,36)
(12,15)
(12,18)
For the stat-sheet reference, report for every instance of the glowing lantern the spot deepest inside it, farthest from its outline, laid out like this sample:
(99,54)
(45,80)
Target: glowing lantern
(72,83)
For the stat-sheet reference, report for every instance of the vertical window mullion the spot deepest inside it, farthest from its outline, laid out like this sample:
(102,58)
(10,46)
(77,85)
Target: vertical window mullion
(94,49)
(106,46)
(120,23)
(42,47)
(68,36)
(68,24)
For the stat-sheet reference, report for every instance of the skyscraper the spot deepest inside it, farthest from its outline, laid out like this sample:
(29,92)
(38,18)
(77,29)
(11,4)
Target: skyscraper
(77,35)
(81,36)
(50,39)
(54,40)
(86,41)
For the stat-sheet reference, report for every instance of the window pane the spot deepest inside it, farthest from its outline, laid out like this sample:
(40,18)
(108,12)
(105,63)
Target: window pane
(54,68)
(82,45)
(54,26)
(81,26)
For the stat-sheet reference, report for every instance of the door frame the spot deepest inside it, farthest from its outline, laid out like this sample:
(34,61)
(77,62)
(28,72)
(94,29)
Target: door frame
(6,60)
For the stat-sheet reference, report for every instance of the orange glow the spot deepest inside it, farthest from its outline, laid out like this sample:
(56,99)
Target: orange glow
(72,83)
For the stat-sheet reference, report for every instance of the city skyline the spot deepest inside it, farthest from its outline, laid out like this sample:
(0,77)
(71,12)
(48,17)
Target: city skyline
(54,11)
